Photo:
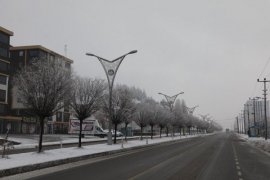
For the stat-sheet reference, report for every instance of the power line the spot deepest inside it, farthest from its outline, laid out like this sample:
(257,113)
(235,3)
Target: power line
(263,70)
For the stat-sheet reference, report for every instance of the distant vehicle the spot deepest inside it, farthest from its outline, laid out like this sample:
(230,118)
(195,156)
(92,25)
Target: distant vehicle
(90,126)
(118,134)
(227,130)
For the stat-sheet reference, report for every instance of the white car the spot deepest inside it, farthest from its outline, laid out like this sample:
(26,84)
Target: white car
(118,133)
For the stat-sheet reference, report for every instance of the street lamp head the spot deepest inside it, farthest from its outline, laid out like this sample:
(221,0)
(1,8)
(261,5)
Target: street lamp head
(89,54)
(132,52)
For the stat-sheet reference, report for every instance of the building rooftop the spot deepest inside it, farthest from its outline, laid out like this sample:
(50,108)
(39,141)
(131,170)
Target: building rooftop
(10,33)
(41,48)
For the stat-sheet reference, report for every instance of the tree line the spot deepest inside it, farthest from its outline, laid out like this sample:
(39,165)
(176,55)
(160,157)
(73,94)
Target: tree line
(47,86)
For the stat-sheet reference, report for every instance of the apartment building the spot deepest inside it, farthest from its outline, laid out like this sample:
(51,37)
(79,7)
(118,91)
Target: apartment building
(6,121)
(22,56)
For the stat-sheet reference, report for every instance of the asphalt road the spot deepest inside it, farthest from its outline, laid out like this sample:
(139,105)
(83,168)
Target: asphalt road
(215,157)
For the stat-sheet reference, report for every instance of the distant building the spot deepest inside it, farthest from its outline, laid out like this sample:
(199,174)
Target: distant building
(23,56)
(256,109)
(5,119)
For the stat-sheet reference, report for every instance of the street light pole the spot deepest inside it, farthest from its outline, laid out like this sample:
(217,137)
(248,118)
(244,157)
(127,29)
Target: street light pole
(191,110)
(170,99)
(110,68)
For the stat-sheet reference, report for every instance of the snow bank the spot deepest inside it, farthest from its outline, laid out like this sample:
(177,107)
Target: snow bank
(257,141)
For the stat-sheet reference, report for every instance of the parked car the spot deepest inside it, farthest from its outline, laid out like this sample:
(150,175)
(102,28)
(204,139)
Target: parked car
(118,133)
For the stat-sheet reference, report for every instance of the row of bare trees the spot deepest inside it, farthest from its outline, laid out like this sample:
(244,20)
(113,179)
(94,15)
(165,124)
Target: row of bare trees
(46,86)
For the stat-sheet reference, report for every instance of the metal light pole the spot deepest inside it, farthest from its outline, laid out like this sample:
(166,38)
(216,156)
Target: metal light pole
(204,117)
(170,99)
(110,68)
(191,110)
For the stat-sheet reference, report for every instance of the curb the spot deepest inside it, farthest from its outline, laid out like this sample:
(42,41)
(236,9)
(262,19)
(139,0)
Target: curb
(32,167)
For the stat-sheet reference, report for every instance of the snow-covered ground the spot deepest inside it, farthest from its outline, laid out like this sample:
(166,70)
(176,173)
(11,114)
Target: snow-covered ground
(31,141)
(17,160)
(257,141)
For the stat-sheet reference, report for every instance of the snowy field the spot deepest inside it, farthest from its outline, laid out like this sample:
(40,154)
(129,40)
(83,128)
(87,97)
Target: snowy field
(257,141)
(17,160)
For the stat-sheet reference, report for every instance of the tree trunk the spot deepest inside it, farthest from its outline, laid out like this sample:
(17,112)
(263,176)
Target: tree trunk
(141,132)
(160,131)
(115,130)
(189,130)
(80,134)
(41,120)
(152,132)
(126,124)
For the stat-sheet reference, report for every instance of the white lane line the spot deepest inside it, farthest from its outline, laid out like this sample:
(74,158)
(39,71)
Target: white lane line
(239,173)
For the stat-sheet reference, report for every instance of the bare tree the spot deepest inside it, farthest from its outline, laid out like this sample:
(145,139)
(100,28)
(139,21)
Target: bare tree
(43,87)
(161,117)
(122,105)
(128,116)
(86,98)
(142,115)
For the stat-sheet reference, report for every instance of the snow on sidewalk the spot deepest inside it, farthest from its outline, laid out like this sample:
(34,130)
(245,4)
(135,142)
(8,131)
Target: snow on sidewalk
(259,142)
(33,143)
(18,160)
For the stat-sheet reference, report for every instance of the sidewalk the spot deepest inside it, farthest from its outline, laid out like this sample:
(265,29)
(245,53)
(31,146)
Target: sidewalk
(24,162)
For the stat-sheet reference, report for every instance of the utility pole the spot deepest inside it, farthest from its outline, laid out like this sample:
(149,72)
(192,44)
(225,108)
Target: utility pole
(265,114)
(237,124)
(247,105)
(244,113)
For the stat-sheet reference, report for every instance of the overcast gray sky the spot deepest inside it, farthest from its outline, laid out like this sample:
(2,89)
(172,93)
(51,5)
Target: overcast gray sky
(212,50)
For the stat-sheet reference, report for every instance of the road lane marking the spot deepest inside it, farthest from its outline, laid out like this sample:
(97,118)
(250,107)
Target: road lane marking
(239,173)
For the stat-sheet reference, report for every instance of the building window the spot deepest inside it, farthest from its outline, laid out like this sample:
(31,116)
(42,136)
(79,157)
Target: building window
(3,80)
(2,95)
(4,38)
(59,116)
(3,66)
(21,53)
(67,65)
(3,52)
(2,108)
(33,53)
(66,117)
